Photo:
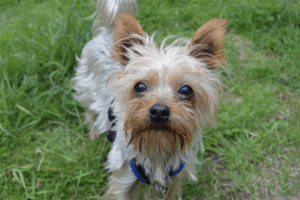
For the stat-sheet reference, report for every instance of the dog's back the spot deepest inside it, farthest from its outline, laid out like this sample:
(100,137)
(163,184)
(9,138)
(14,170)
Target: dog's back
(96,65)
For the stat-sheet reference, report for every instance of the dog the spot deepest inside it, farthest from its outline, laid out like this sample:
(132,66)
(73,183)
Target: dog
(152,102)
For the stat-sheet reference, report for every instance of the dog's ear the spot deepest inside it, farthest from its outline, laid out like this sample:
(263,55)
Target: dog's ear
(128,32)
(207,44)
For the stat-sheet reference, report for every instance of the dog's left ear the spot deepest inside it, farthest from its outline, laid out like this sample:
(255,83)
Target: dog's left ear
(128,32)
(207,44)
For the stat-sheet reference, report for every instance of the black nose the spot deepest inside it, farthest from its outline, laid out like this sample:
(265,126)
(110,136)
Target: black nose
(159,113)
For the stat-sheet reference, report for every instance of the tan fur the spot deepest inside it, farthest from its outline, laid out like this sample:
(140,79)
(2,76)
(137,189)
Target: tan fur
(159,139)
(125,26)
(207,43)
(121,55)
(164,71)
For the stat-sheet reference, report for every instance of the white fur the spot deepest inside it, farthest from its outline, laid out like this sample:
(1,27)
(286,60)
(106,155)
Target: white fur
(95,94)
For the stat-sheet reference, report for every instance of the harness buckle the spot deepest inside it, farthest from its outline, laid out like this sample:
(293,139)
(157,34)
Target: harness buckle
(163,190)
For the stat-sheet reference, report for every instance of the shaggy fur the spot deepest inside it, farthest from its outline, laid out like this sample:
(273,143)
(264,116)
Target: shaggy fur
(120,56)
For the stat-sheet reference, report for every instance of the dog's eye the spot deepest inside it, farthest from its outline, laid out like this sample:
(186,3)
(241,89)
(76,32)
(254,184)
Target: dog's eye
(140,88)
(186,91)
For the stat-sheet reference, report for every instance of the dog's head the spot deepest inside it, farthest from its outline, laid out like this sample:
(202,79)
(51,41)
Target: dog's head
(166,94)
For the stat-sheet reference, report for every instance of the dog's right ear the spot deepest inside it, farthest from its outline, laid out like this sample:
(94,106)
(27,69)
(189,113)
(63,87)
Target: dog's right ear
(128,32)
(207,44)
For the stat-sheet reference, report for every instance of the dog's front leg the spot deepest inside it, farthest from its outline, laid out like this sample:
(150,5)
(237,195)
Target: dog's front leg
(175,189)
(121,184)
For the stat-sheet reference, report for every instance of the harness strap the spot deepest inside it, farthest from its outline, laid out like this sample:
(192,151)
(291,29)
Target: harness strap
(111,134)
(140,173)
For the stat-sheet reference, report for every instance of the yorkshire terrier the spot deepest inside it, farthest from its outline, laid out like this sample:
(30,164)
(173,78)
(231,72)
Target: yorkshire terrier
(152,102)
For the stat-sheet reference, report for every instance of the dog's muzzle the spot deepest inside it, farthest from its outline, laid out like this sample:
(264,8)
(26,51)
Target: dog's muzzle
(159,113)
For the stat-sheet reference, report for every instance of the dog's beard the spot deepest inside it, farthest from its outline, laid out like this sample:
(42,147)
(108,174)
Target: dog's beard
(161,139)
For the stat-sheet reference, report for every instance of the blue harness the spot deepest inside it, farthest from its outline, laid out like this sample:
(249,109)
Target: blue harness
(137,170)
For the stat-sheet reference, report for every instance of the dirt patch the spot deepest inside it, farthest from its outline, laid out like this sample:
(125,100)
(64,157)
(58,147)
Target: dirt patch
(277,178)
(243,47)
(278,173)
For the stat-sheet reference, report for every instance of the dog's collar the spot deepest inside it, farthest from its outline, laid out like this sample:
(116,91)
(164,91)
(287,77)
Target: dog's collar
(140,173)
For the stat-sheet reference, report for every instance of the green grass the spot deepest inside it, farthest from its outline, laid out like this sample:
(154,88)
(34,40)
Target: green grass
(252,153)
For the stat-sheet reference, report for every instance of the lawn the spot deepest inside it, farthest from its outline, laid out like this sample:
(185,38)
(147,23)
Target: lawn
(252,153)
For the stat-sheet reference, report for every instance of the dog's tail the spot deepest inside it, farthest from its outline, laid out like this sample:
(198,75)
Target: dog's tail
(107,11)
